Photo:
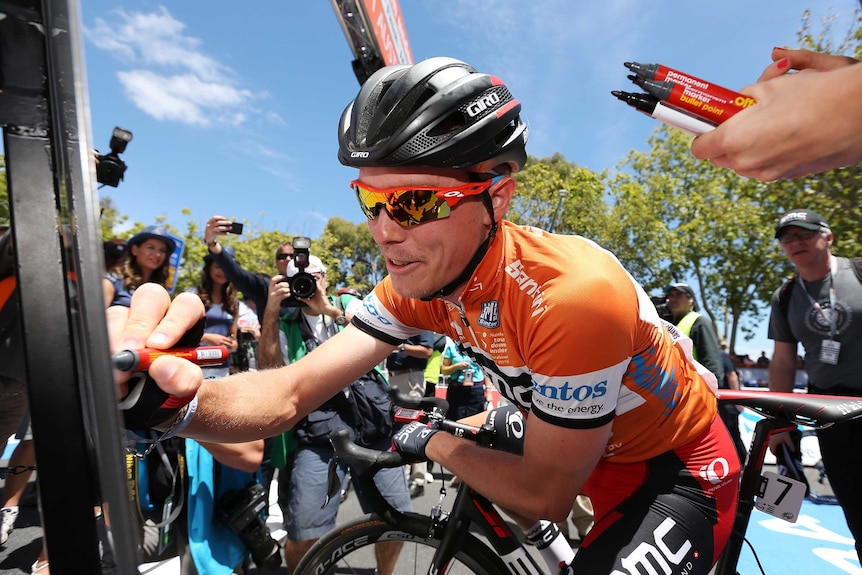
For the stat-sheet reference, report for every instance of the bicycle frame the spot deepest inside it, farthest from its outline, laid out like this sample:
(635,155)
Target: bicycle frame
(781,412)
(748,489)
(469,508)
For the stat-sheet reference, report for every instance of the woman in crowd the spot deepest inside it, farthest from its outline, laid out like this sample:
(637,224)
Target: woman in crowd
(222,310)
(147,259)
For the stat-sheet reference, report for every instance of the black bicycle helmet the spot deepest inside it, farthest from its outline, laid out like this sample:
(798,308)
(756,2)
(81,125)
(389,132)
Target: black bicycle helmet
(438,113)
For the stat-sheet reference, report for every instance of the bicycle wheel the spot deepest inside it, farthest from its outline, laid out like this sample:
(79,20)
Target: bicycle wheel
(349,550)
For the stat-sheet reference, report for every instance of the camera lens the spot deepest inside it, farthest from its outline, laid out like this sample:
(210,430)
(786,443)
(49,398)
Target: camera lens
(302,285)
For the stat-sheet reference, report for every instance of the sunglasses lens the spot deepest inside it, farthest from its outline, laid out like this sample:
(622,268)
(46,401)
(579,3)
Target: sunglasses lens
(417,207)
(369,201)
(407,207)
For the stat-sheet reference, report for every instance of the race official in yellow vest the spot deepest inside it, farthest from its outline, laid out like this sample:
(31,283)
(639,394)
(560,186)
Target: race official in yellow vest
(705,348)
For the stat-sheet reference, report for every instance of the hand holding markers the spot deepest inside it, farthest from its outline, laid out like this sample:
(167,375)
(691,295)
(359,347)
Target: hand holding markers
(681,100)
(805,122)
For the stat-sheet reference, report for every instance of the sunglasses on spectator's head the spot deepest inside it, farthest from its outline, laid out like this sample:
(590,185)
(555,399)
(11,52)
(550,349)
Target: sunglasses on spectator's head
(411,206)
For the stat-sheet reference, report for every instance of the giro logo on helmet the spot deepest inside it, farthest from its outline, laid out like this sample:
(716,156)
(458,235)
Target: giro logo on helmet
(486,101)
(358,154)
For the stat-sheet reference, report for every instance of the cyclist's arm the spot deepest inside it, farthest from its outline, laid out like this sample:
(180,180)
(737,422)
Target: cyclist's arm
(247,405)
(782,368)
(264,403)
(543,483)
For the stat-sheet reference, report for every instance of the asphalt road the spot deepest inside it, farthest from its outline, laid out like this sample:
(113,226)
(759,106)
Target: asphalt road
(24,544)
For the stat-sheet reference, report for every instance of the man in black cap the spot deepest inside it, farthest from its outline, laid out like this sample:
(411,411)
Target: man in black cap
(821,307)
(705,349)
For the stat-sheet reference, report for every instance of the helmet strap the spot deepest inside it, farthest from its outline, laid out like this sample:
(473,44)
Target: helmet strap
(474,261)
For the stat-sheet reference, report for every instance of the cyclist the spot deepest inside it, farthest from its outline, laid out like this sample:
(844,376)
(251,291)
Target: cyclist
(619,410)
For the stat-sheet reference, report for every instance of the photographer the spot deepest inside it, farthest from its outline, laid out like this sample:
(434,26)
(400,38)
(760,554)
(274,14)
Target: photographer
(362,408)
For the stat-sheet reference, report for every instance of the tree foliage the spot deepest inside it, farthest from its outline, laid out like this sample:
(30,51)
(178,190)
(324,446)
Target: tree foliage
(561,197)
(682,219)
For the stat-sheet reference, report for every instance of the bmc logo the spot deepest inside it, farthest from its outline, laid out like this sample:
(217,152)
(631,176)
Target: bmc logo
(656,557)
(716,471)
(358,154)
(482,104)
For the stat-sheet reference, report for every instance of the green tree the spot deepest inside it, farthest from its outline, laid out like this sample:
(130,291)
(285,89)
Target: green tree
(110,218)
(678,218)
(561,197)
(354,254)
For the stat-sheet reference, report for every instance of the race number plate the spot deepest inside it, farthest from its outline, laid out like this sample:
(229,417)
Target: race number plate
(780,496)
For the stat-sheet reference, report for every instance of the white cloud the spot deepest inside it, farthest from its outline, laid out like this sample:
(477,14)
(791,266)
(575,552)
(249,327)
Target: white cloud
(172,78)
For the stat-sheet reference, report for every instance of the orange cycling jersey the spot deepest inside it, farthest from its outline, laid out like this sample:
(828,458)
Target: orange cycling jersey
(563,331)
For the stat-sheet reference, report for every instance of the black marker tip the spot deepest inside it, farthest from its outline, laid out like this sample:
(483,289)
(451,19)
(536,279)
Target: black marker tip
(628,65)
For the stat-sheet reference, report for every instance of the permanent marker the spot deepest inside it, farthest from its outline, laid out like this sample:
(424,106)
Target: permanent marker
(651,106)
(660,73)
(705,105)
(141,359)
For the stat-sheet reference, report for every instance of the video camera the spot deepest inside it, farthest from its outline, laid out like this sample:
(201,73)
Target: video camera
(240,510)
(660,303)
(302,284)
(110,169)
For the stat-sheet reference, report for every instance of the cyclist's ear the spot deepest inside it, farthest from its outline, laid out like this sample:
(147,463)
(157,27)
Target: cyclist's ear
(501,194)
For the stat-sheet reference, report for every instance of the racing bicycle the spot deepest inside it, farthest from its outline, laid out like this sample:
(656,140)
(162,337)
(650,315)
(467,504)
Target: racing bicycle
(446,541)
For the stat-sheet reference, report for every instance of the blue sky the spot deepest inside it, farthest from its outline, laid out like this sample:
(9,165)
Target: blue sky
(234,107)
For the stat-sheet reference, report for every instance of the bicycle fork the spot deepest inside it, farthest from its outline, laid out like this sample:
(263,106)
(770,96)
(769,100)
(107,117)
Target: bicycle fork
(748,488)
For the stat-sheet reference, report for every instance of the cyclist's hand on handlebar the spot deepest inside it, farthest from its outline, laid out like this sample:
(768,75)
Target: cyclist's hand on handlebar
(412,439)
(778,439)
(154,321)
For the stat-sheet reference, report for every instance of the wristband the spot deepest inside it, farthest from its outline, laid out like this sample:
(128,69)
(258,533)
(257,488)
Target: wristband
(212,244)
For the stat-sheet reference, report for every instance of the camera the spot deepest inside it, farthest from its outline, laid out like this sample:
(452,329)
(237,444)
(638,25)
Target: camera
(660,303)
(240,510)
(303,284)
(110,169)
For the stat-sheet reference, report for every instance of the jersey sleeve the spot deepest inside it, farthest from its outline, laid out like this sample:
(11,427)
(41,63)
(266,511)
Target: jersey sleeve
(391,318)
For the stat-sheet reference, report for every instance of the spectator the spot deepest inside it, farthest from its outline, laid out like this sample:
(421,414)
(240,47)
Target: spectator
(802,123)
(13,390)
(816,308)
(683,306)
(181,496)
(146,260)
(762,361)
(222,310)
(406,367)
(302,490)
(435,362)
(466,392)
(23,460)
(253,286)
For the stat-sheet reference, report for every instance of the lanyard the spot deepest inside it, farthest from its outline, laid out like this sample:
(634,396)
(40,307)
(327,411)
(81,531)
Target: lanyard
(833,268)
